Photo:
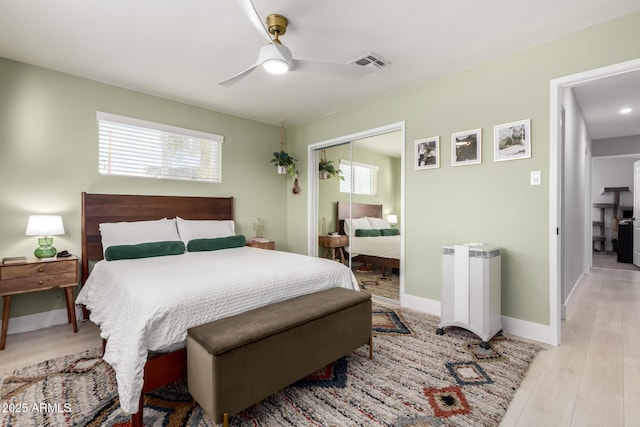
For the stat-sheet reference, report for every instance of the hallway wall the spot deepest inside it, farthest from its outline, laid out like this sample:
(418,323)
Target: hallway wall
(575,191)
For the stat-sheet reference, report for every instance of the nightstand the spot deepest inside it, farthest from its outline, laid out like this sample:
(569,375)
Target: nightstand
(334,246)
(35,275)
(269,244)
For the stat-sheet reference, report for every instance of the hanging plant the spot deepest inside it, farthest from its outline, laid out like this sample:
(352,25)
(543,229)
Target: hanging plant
(285,164)
(326,168)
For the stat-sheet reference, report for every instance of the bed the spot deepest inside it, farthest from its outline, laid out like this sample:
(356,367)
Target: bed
(382,251)
(145,306)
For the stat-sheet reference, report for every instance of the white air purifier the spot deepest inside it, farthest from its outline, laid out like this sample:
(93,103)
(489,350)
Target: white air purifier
(470,297)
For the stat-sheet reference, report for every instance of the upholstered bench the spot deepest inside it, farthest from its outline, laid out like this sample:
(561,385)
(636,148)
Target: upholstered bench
(235,362)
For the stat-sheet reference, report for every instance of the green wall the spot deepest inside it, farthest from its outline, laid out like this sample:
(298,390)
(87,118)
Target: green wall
(49,155)
(490,202)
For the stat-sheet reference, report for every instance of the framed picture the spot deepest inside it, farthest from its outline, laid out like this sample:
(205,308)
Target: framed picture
(466,147)
(512,141)
(427,155)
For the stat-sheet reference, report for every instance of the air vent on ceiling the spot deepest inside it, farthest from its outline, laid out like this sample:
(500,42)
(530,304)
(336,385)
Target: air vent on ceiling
(371,59)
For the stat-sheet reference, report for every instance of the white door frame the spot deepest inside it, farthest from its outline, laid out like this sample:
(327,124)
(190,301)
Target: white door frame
(312,179)
(555,191)
(636,214)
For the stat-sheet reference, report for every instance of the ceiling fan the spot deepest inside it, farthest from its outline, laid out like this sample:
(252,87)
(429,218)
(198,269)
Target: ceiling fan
(276,58)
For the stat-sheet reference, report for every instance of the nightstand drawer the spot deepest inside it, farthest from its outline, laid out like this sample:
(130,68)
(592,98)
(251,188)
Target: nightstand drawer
(333,241)
(26,284)
(8,272)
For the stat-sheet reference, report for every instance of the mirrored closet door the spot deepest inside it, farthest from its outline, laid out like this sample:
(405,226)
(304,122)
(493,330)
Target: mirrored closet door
(359,210)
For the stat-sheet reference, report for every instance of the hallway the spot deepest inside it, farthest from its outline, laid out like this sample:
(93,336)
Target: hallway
(593,377)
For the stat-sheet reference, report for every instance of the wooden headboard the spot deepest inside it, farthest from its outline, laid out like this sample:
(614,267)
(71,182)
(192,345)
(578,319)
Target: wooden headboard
(355,210)
(99,208)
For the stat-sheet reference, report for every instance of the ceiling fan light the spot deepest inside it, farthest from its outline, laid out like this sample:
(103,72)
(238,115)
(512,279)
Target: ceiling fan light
(275,66)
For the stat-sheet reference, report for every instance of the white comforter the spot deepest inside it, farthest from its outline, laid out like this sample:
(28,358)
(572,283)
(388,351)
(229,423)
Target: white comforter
(148,304)
(380,246)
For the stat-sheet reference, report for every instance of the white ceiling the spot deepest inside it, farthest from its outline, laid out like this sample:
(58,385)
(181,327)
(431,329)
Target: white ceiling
(181,49)
(601,101)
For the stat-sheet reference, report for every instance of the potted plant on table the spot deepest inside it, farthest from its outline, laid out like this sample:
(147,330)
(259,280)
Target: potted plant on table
(326,168)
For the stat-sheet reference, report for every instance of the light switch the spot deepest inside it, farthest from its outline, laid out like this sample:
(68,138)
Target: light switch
(535,177)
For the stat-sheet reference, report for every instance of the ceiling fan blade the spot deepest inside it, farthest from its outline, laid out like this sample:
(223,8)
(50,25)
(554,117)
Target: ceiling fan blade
(252,14)
(236,78)
(348,71)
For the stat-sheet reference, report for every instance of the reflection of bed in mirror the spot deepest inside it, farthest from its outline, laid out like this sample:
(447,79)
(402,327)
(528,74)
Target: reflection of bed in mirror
(382,251)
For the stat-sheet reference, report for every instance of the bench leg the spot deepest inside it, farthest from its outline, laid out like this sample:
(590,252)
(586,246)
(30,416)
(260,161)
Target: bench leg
(371,347)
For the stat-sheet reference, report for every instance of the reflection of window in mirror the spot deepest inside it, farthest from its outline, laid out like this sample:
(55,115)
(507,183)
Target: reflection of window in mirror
(359,178)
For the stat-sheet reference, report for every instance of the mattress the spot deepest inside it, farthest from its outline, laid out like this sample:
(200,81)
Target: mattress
(379,246)
(148,304)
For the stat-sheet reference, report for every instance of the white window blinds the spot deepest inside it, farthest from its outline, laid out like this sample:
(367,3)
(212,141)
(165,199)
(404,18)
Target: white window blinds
(133,147)
(359,178)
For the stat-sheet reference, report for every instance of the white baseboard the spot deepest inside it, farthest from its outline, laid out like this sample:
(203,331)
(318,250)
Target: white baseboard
(421,304)
(512,326)
(525,329)
(32,322)
(566,304)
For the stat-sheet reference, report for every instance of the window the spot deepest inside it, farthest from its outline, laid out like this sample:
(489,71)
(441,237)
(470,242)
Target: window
(359,178)
(132,147)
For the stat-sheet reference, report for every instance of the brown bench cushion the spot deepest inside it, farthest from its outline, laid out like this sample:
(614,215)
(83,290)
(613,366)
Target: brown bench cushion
(227,334)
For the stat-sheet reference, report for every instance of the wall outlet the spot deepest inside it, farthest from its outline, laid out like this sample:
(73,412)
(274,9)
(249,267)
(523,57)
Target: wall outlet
(535,178)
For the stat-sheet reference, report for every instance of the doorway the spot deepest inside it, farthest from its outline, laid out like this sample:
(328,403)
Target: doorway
(576,241)
(374,156)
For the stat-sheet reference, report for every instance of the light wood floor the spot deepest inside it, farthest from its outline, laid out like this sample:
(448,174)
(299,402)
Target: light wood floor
(591,379)
(29,348)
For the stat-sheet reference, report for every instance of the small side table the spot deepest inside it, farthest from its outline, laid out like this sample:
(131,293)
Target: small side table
(334,246)
(35,275)
(269,244)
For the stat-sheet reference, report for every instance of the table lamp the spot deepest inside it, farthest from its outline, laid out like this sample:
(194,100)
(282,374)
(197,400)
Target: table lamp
(393,220)
(45,226)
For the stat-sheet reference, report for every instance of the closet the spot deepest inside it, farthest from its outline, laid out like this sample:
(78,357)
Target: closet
(371,177)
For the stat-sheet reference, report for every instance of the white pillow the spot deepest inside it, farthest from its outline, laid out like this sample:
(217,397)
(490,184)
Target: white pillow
(355,224)
(204,229)
(378,223)
(132,233)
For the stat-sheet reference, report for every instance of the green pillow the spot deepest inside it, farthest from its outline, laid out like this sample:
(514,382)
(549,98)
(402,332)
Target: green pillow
(144,250)
(390,232)
(214,244)
(363,232)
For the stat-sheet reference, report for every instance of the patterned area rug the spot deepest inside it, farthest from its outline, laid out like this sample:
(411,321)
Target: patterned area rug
(416,378)
(374,283)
